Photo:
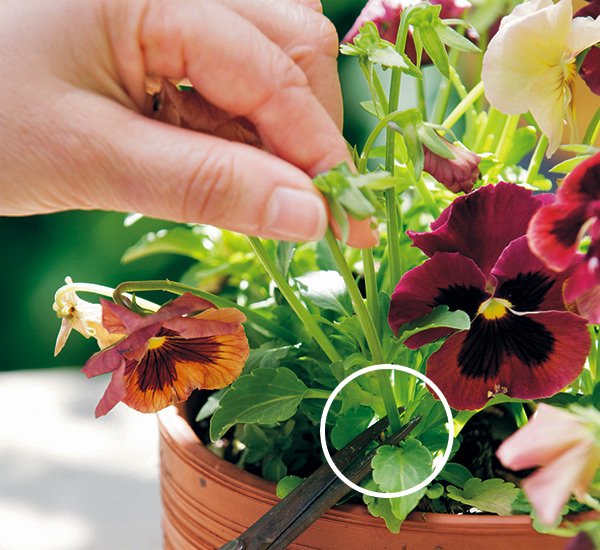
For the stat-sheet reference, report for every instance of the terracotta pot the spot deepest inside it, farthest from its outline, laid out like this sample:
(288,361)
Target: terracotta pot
(207,501)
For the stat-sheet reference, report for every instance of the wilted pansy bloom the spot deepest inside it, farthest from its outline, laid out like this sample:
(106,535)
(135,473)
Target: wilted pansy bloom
(163,357)
(522,341)
(84,317)
(590,67)
(386,16)
(530,63)
(457,174)
(556,230)
(565,445)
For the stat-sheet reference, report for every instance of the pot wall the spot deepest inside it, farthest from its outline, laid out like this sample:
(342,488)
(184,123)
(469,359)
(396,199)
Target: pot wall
(208,501)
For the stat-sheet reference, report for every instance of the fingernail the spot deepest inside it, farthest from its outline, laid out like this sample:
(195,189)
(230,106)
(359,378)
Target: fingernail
(296,215)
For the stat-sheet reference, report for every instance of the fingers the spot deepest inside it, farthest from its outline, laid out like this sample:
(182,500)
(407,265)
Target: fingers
(234,66)
(307,37)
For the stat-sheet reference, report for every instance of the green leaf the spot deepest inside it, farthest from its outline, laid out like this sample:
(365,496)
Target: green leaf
(350,424)
(381,507)
(263,396)
(568,165)
(454,39)
(210,406)
(492,495)
(325,289)
(456,474)
(284,255)
(435,48)
(435,491)
(441,316)
(523,141)
(265,356)
(179,240)
(287,484)
(400,468)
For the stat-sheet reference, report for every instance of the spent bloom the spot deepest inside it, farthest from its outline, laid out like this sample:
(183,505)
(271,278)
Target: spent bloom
(565,445)
(556,230)
(590,67)
(84,317)
(456,174)
(161,358)
(522,341)
(530,63)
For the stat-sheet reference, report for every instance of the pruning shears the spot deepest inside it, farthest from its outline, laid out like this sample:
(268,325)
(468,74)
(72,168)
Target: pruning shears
(318,493)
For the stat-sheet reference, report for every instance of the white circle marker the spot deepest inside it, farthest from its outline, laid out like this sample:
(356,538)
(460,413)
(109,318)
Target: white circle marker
(438,468)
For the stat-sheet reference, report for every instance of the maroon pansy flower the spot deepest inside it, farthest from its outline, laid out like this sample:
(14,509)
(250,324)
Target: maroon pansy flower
(590,68)
(556,230)
(456,174)
(522,341)
(386,16)
(163,357)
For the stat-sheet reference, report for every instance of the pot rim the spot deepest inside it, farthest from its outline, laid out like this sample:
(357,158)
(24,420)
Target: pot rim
(174,425)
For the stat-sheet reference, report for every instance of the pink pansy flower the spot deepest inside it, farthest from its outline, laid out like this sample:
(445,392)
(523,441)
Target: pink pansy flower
(566,448)
(386,16)
(457,174)
(522,341)
(556,230)
(163,357)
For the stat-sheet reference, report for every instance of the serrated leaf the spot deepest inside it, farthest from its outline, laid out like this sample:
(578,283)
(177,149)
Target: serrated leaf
(492,495)
(381,508)
(263,396)
(441,316)
(400,468)
(350,424)
(325,289)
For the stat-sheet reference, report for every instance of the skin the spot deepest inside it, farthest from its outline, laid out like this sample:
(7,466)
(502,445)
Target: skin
(74,137)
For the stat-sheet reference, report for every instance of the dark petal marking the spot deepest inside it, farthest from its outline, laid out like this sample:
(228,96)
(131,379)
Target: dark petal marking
(490,342)
(465,298)
(158,368)
(526,291)
(566,228)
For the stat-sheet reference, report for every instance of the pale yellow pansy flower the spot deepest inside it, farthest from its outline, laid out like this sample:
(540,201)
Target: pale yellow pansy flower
(530,63)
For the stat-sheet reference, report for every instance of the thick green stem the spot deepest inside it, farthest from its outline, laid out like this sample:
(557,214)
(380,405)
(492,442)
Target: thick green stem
(366,322)
(362,163)
(393,244)
(519,414)
(295,303)
(536,160)
(462,107)
(371,288)
(178,288)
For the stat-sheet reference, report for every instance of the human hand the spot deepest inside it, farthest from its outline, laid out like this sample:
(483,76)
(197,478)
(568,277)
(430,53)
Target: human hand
(73,94)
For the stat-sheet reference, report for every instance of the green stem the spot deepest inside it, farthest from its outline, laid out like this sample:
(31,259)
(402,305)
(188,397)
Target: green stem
(362,164)
(519,414)
(427,197)
(366,322)
(443,96)
(462,107)
(505,142)
(393,243)
(99,290)
(295,303)
(178,288)
(421,98)
(371,287)
(592,130)
(536,160)
(315,393)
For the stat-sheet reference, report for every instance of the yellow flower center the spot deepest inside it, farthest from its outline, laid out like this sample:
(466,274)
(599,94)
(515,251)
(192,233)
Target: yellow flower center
(156,342)
(494,308)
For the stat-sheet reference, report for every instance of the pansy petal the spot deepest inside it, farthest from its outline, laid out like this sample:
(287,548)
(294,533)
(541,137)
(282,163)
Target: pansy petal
(554,233)
(549,488)
(588,304)
(109,359)
(548,434)
(586,275)
(583,183)
(114,392)
(585,32)
(590,70)
(524,356)
(446,279)
(525,281)
(171,371)
(471,224)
